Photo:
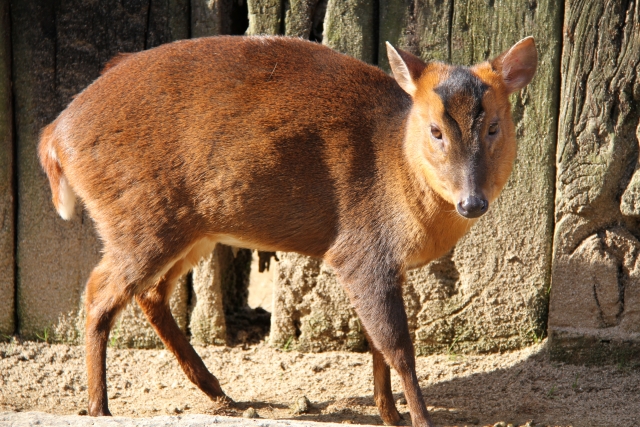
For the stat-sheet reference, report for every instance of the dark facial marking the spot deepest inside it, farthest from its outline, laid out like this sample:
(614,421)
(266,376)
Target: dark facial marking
(461,95)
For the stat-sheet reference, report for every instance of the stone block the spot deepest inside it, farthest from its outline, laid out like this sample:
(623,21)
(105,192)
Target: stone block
(7,205)
(265,17)
(422,28)
(311,311)
(207,323)
(209,18)
(305,18)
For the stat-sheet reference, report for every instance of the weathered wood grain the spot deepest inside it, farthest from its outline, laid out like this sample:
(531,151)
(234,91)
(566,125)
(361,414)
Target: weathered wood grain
(304,18)
(595,299)
(421,27)
(490,293)
(500,271)
(7,202)
(350,27)
(265,17)
(56,54)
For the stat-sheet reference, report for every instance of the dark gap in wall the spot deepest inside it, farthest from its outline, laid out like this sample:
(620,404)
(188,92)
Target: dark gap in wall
(284,7)
(298,326)
(14,169)
(189,20)
(147,26)
(190,296)
(245,325)
(450,23)
(317,21)
(239,17)
(376,31)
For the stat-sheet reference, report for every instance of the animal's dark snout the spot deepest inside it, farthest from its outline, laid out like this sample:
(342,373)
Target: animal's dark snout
(472,206)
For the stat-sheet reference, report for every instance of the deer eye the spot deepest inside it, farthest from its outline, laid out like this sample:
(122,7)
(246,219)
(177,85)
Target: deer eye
(435,132)
(493,129)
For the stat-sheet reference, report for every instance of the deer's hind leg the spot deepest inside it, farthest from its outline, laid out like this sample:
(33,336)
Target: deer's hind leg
(154,302)
(106,295)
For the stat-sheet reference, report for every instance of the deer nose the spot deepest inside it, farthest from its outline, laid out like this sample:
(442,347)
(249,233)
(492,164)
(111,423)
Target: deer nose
(472,206)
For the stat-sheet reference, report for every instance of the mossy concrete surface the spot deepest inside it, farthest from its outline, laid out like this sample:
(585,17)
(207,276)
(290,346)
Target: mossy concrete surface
(311,311)
(595,297)
(7,202)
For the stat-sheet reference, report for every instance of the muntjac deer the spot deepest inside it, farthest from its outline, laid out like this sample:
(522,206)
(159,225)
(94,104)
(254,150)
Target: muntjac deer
(280,144)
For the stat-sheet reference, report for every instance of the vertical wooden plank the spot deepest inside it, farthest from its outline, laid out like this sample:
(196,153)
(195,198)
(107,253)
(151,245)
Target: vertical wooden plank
(7,207)
(210,17)
(265,17)
(54,257)
(305,18)
(206,318)
(168,20)
(350,27)
(594,315)
(56,55)
(311,311)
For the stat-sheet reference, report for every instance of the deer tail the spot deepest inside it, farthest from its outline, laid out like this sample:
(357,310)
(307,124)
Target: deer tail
(64,199)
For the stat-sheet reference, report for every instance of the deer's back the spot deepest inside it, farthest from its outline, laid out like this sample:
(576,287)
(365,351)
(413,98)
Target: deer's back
(273,140)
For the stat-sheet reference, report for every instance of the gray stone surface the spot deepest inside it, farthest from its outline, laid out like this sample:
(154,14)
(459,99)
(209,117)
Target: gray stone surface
(132,330)
(421,28)
(29,419)
(595,296)
(7,206)
(207,322)
(208,18)
(500,300)
(303,18)
(56,55)
(311,311)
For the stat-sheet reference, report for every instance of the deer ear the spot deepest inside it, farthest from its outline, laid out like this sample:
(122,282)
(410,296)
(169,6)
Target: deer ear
(406,68)
(518,64)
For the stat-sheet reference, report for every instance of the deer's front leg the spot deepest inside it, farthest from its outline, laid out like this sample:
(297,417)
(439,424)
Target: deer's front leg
(381,309)
(382,393)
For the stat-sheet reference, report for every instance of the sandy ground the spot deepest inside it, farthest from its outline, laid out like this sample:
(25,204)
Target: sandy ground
(459,390)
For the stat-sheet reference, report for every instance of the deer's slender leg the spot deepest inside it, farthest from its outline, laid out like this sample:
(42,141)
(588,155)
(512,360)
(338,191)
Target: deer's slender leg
(154,302)
(105,297)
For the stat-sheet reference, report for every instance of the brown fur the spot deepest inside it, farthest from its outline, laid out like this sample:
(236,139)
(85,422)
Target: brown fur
(115,61)
(278,144)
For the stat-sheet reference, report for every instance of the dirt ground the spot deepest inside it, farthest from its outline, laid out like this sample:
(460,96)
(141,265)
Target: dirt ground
(516,388)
